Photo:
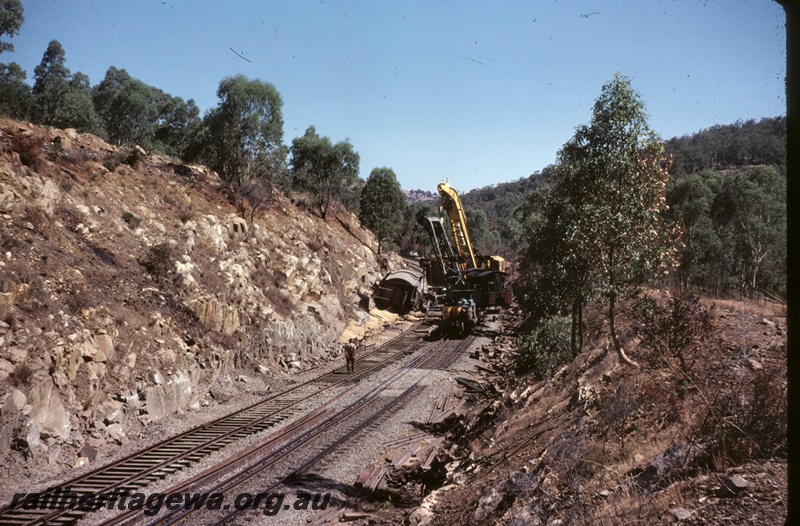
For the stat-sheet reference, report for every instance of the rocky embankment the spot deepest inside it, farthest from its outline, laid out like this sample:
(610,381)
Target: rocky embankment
(131,289)
(602,443)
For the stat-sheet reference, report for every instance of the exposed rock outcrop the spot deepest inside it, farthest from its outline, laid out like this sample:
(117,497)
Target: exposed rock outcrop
(128,292)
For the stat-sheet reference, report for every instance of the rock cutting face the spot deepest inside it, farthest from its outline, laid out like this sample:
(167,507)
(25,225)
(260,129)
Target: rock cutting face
(129,292)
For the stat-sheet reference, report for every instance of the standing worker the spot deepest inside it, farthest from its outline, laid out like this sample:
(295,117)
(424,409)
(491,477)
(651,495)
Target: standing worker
(350,355)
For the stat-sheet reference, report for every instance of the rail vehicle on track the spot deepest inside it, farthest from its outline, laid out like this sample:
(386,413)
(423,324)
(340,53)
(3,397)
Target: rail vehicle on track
(460,282)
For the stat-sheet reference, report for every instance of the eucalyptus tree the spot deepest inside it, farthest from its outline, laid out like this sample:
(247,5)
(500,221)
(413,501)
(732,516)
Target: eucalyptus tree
(51,83)
(245,132)
(611,184)
(690,200)
(76,109)
(15,94)
(128,108)
(412,235)
(557,254)
(60,98)
(179,124)
(382,204)
(751,209)
(11,19)
(133,112)
(484,239)
(323,169)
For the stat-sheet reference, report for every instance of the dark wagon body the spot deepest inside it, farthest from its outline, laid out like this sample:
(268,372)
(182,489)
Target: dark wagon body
(401,291)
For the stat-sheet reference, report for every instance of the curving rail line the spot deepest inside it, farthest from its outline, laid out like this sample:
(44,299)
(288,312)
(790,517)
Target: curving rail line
(299,439)
(175,454)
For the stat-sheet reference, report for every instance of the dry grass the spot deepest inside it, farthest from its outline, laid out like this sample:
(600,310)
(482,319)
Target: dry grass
(38,219)
(626,505)
(762,307)
(158,260)
(603,426)
(29,147)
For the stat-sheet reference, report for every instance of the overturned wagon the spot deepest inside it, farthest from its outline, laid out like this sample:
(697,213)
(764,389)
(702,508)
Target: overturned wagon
(400,291)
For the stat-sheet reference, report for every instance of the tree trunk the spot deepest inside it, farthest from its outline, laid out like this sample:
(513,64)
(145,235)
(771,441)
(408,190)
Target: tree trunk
(612,300)
(574,329)
(754,280)
(577,327)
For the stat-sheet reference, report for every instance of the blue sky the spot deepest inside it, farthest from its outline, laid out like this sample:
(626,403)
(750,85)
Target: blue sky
(478,92)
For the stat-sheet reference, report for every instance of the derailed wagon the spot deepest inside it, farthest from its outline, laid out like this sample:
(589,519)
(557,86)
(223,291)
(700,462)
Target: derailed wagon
(401,291)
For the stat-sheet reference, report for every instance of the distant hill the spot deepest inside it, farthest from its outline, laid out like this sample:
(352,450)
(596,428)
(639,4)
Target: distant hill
(722,148)
(500,200)
(726,146)
(420,196)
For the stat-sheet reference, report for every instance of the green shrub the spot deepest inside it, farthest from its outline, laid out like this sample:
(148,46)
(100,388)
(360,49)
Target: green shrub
(55,148)
(545,349)
(185,215)
(131,219)
(133,157)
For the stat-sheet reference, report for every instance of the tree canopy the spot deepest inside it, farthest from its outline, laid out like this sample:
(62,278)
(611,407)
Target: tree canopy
(15,95)
(323,169)
(743,143)
(604,228)
(133,112)
(499,202)
(690,201)
(246,131)
(11,19)
(382,204)
(76,109)
(51,83)
(729,245)
(751,210)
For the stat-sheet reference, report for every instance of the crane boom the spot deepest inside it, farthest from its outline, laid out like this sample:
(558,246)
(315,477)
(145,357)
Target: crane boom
(458,224)
(445,258)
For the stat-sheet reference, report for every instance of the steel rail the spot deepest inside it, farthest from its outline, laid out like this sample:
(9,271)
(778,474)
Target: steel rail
(175,453)
(263,463)
(296,442)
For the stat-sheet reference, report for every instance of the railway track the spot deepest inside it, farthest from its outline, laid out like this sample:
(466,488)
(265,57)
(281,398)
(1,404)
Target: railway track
(302,446)
(175,454)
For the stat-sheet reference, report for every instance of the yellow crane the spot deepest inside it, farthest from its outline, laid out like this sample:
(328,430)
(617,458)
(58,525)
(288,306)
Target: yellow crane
(467,257)
(461,281)
(451,204)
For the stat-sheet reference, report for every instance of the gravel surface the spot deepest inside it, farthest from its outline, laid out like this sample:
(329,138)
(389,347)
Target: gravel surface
(336,473)
(338,470)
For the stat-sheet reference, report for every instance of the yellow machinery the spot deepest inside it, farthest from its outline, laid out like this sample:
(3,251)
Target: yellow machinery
(461,281)
(451,204)
(467,257)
